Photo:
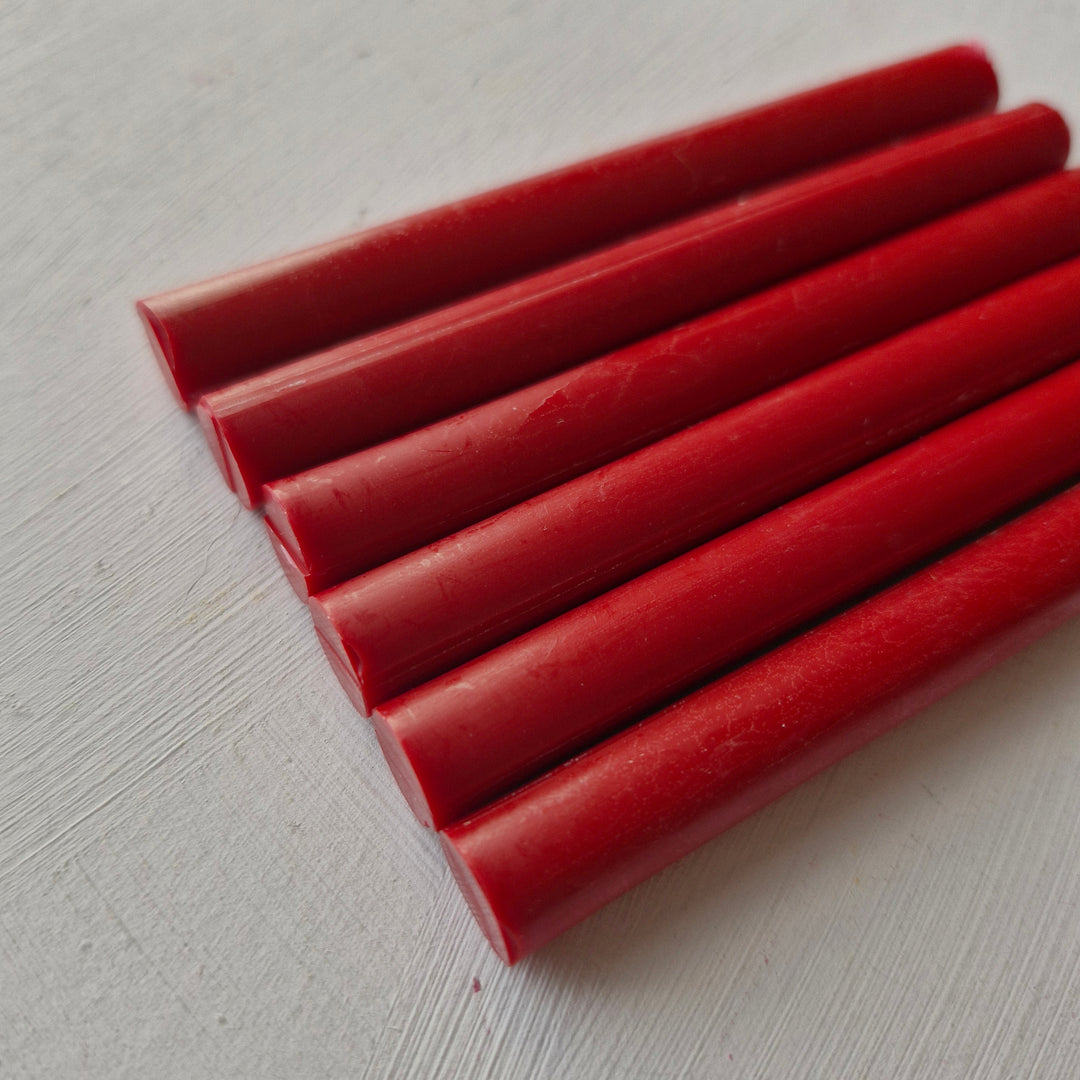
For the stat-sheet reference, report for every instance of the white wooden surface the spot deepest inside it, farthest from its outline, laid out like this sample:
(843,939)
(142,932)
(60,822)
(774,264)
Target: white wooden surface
(205,870)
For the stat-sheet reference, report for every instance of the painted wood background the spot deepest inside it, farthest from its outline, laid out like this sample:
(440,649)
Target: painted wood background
(205,869)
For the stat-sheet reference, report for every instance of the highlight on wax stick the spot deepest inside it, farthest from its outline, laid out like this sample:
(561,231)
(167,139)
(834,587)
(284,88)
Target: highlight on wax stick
(473,734)
(413,619)
(343,518)
(548,855)
(370,390)
(214,332)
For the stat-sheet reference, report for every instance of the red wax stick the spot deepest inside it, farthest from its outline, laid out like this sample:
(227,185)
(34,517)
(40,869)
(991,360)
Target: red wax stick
(347,516)
(545,857)
(412,619)
(217,331)
(323,406)
(471,735)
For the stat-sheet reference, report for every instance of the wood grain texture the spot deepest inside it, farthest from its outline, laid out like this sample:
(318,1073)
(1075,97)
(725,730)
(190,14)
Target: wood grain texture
(205,869)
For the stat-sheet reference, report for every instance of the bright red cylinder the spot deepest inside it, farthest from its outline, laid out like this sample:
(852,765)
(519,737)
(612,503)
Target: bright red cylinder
(216,331)
(475,733)
(347,516)
(413,619)
(330,404)
(547,856)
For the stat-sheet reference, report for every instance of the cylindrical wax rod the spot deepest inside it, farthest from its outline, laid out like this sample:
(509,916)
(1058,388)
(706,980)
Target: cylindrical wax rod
(473,734)
(410,620)
(547,856)
(217,331)
(347,516)
(329,404)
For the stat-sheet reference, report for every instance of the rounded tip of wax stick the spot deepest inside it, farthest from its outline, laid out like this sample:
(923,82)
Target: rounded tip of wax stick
(218,442)
(164,349)
(395,750)
(976,48)
(1053,136)
(1063,135)
(977,52)
(479,904)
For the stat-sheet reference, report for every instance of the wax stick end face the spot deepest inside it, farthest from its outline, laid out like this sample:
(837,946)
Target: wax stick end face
(347,665)
(164,352)
(396,751)
(294,572)
(478,902)
(345,674)
(219,446)
(281,499)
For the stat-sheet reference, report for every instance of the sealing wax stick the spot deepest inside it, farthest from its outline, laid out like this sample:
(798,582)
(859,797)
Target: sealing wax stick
(550,854)
(214,332)
(347,516)
(414,618)
(330,404)
(473,734)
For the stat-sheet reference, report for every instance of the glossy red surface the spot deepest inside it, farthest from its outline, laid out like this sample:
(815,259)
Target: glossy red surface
(414,618)
(343,518)
(550,854)
(330,404)
(216,331)
(475,733)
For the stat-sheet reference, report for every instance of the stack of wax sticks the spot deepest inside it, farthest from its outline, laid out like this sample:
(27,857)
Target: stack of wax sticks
(628,497)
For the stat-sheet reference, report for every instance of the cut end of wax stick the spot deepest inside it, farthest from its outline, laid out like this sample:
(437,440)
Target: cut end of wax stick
(302,576)
(296,572)
(492,927)
(395,748)
(345,675)
(162,345)
(223,455)
(346,664)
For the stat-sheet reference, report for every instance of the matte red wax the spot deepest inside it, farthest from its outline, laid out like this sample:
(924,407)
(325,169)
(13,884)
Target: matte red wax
(329,404)
(550,854)
(414,618)
(214,332)
(343,518)
(475,733)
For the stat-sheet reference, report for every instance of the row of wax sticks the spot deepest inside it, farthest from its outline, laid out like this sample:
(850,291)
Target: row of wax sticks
(778,413)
